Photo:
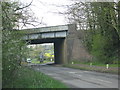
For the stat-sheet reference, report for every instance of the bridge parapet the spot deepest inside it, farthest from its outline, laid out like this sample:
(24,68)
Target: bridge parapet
(46,29)
(46,32)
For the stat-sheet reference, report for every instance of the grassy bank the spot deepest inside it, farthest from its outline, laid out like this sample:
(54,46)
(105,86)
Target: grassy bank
(29,78)
(98,68)
(95,63)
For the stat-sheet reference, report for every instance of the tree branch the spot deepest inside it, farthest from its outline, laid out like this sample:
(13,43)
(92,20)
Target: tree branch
(24,6)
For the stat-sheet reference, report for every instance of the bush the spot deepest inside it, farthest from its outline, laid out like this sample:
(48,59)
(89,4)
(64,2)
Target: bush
(102,49)
(13,53)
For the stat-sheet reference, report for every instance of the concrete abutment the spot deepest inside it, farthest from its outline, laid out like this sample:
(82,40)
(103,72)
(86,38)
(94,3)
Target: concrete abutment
(71,48)
(60,51)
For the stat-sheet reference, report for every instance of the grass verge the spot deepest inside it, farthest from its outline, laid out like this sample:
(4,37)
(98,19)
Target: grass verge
(29,78)
(93,68)
(96,63)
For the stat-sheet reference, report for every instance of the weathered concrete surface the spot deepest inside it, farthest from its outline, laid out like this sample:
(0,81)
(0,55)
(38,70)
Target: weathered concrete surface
(75,48)
(60,51)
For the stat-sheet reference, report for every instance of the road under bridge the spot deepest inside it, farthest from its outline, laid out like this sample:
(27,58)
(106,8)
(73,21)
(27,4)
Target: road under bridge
(67,44)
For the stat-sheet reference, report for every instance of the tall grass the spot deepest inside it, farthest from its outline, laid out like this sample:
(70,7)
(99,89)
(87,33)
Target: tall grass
(29,78)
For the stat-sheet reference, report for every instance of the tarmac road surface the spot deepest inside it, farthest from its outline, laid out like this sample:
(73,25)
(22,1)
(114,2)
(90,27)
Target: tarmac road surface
(75,78)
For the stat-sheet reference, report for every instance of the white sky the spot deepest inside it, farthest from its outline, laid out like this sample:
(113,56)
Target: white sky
(44,9)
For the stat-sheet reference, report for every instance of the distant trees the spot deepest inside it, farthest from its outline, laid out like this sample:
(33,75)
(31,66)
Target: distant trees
(38,50)
(34,51)
(101,24)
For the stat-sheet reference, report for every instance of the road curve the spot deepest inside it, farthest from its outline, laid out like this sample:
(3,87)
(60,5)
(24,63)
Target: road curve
(75,78)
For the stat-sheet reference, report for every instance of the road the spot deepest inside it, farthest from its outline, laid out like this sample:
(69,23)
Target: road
(75,78)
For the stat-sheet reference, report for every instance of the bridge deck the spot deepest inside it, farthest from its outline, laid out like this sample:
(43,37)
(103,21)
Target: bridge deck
(45,32)
(46,29)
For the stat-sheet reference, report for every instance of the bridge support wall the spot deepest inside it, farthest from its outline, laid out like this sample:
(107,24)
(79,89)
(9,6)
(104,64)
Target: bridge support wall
(75,48)
(71,48)
(60,51)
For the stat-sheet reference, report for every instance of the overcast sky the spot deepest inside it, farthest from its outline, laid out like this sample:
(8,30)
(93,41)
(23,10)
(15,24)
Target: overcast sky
(46,9)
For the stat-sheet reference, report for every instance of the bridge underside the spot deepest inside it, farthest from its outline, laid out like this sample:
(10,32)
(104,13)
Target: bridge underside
(59,48)
(47,40)
(67,42)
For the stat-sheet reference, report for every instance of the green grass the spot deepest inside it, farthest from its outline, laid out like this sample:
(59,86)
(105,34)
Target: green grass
(75,67)
(35,61)
(89,69)
(29,78)
(96,64)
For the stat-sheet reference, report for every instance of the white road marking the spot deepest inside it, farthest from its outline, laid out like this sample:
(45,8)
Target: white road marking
(38,69)
(85,71)
(104,81)
(80,75)
(49,74)
(72,72)
(101,80)
(56,77)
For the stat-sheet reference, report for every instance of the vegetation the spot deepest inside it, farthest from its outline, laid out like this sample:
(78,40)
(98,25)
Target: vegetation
(35,51)
(101,68)
(95,63)
(14,50)
(101,25)
(29,78)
